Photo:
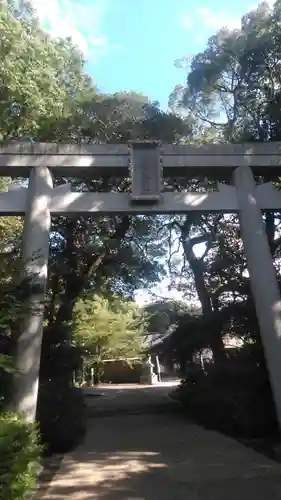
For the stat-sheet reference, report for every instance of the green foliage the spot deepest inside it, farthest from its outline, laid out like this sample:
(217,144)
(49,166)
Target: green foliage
(234,397)
(120,117)
(20,453)
(163,317)
(233,93)
(13,296)
(6,363)
(109,328)
(10,295)
(61,415)
(10,230)
(39,75)
(233,84)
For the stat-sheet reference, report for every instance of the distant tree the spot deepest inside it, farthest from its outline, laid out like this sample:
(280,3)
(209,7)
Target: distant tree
(109,328)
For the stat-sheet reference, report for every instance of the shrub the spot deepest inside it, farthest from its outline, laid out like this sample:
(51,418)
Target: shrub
(61,415)
(234,398)
(20,453)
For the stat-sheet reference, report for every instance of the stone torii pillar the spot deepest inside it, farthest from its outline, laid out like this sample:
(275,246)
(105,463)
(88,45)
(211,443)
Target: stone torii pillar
(35,252)
(264,284)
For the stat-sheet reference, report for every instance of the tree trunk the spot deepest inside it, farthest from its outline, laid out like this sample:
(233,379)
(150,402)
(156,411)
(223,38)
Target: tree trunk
(197,267)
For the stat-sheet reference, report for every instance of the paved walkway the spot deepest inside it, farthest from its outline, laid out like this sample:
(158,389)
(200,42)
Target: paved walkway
(158,456)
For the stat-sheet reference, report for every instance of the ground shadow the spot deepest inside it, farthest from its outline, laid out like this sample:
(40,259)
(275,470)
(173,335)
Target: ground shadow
(161,456)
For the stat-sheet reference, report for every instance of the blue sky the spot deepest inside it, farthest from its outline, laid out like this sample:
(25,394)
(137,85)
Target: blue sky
(133,44)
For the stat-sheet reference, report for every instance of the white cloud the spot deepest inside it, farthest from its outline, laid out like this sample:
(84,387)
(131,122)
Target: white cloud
(81,22)
(213,20)
(217,20)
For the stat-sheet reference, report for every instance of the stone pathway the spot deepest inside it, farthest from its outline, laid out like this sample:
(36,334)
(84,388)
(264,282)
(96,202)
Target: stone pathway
(161,456)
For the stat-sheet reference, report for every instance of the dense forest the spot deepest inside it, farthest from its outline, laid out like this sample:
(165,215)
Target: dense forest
(232,94)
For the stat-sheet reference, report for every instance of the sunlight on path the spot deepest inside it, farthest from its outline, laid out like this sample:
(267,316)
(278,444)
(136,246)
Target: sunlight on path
(163,456)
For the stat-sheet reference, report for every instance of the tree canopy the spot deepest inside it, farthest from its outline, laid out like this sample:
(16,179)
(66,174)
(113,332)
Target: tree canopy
(41,78)
(109,328)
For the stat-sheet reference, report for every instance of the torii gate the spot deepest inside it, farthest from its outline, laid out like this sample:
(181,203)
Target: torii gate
(145,161)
